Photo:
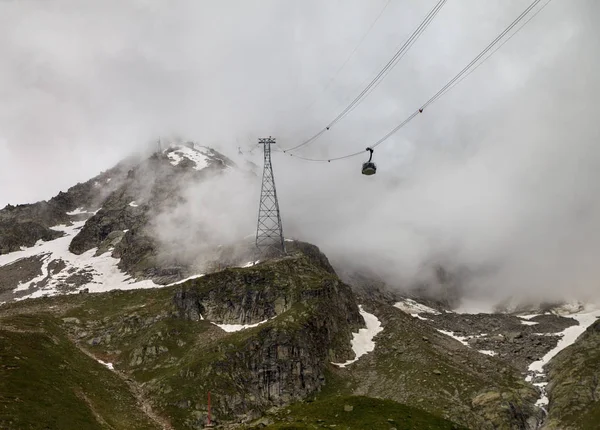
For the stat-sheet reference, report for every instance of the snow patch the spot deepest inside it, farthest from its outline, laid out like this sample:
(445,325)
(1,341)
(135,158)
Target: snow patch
(529,322)
(109,365)
(78,211)
(414,308)
(199,159)
(103,270)
(568,336)
(461,339)
(186,279)
(464,341)
(250,264)
(237,327)
(528,317)
(133,204)
(362,342)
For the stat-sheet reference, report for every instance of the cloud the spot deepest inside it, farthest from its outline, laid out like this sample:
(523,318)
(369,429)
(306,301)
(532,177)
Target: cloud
(499,174)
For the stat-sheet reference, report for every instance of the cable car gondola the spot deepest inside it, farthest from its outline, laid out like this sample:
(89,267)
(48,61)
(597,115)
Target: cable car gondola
(369,168)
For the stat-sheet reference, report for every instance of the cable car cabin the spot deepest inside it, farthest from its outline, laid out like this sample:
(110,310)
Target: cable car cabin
(369,168)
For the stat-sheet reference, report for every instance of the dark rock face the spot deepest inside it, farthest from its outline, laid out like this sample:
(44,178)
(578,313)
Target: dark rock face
(24,225)
(14,235)
(315,315)
(511,338)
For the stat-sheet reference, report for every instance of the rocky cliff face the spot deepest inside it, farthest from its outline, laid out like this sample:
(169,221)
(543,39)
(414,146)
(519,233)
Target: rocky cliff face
(112,213)
(169,339)
(306,315)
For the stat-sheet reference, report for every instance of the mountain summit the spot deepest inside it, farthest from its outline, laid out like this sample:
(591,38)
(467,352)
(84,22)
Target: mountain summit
(99,234)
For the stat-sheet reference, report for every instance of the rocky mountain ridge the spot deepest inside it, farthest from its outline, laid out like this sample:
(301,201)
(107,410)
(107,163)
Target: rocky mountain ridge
(283,343)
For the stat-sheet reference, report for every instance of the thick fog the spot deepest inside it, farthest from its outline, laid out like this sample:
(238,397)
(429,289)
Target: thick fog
(500,177)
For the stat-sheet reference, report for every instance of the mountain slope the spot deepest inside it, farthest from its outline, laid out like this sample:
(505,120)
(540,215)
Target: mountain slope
(182,341)
(573,390)
(99,235)
(157,337)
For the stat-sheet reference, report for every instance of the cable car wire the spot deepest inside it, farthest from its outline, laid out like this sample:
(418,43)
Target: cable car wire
(382,73)
(448,86)
(497,48)
(334,77)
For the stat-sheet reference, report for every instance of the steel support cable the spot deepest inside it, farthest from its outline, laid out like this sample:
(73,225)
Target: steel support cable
(382,73)
(387,3)
(494,51)
(386,72)
(451,84)
(459,74)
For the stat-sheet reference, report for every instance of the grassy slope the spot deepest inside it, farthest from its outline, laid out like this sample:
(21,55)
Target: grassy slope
(357,412)
(46,382)
(139,332)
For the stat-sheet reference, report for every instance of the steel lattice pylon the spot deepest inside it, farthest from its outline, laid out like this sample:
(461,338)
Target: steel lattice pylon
(269,233)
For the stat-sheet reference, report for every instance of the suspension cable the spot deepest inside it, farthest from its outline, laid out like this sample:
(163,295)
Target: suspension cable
(382,73)
(459,77)
(334,77)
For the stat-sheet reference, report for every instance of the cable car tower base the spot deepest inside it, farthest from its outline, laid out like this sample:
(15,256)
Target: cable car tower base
(269,233)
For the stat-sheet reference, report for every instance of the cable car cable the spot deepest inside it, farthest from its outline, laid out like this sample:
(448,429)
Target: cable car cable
(497,48)
(387,3)
(458,75)
(375,81)
(445,89)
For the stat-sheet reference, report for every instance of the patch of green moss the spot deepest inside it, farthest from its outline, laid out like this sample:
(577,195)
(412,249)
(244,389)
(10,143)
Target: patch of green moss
(357,412)
(46,382)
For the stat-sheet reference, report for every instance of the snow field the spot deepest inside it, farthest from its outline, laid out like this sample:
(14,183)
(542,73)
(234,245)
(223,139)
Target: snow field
(105,275)
(585,318)
(182,152)
(362,342)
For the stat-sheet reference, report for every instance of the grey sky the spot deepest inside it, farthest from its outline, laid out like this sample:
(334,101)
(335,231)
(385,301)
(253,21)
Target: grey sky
(501,172)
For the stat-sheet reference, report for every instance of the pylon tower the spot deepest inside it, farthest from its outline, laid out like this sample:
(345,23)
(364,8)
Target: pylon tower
(269,233)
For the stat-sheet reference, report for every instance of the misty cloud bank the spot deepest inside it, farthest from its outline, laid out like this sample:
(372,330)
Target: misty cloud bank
(500,176)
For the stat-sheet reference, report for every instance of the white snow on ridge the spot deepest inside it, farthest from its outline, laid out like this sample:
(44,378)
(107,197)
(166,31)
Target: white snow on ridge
(528,317)
(133,204)
(569,335)
(250,264)
(414,308)
(230,328)
(529,322)
(199,159)
(362,342)
(77,211)
(103,270)
(186,279)
(461,339)
(109,365)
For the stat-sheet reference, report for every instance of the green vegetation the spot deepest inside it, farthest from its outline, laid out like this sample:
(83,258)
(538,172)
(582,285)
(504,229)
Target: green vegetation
(46,382)
(574,388)
(170,358)
(357,412)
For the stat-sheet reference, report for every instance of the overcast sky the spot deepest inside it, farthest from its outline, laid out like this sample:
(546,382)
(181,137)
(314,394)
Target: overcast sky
(502,173)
